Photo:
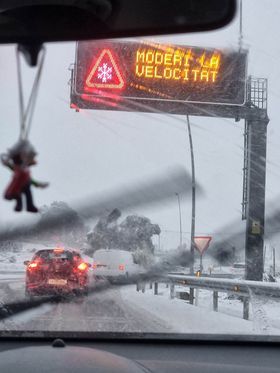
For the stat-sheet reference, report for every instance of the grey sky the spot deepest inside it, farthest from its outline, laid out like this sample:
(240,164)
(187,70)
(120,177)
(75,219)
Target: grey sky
(83,153)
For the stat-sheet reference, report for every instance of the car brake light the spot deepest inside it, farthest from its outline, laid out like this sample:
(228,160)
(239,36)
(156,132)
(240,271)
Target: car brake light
(32,265)
(83,266)
(121,267)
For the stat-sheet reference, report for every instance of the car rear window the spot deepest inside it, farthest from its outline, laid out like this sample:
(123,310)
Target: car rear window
(50,254)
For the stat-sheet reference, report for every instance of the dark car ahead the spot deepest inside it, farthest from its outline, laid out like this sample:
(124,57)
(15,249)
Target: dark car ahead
(56,271)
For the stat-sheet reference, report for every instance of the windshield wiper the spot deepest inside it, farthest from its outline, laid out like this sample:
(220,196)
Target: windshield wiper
(10,309)
(155,190)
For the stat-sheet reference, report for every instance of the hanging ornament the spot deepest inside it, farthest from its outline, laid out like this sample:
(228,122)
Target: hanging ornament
(19,159)
(22,155)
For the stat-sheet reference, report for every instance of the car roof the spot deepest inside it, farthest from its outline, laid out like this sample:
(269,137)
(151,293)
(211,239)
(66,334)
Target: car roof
(52,249)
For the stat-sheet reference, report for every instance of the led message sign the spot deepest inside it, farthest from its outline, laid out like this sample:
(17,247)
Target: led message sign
(123,72)
(176,65)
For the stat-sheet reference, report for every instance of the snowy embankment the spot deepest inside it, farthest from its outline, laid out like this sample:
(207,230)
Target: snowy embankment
(12,259)
(185,318)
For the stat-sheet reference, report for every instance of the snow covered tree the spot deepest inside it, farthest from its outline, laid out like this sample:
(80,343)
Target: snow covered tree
(10,246)
(105,234)
(136,233)
(133,234)
(72,236)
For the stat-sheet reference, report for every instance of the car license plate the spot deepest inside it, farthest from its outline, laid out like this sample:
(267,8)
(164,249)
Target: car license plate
(54,281)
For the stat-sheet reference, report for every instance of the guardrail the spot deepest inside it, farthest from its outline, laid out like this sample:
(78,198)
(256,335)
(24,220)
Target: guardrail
(242,288)
(239,287)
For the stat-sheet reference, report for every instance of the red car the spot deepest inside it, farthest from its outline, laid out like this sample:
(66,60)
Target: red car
(56,271)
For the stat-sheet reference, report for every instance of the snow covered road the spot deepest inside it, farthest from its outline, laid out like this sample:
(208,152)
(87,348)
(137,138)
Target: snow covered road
(105,311)
(123,309)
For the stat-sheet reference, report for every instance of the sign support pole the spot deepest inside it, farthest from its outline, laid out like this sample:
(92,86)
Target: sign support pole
(201,243)
(257,133)
(193,197)
(193,208)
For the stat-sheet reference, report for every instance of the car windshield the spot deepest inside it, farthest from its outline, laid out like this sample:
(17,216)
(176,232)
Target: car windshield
(162,147)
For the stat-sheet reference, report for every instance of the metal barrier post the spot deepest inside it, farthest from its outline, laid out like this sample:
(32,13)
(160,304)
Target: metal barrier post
(215,301)
(172,291)
(156,288)
(191,295)
(246,308)
(196,296)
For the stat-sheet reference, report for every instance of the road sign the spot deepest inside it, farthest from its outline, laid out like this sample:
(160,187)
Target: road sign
(202,243)
(128,75)
(105,73)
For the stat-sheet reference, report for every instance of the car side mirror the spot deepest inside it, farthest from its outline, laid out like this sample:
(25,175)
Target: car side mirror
(26,262)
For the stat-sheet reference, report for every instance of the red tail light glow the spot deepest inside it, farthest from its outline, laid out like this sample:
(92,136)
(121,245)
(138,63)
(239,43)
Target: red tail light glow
(32,265)
(83,266)
(121,267)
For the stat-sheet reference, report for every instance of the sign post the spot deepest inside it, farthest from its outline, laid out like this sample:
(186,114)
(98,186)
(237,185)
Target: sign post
(201,244)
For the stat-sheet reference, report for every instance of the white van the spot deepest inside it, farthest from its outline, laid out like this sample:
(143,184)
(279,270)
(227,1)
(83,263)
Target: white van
(114,264)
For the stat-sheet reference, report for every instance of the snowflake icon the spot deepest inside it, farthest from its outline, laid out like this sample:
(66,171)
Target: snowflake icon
(105,73)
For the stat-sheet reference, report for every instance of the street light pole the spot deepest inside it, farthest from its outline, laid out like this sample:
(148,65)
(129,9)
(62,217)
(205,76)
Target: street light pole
(180,218)
(193,197)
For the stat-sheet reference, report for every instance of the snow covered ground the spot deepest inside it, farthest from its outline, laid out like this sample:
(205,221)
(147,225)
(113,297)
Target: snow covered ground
(12,259)
(186,318)
(176,314)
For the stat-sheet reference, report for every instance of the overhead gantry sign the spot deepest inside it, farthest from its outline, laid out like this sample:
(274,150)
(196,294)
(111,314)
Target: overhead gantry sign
(147,77)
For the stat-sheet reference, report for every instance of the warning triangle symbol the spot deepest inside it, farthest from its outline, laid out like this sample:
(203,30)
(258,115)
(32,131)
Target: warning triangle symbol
(201,243)
(105,73)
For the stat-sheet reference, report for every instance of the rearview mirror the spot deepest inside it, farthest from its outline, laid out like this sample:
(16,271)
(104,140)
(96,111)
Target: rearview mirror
(26,262)
(37,21)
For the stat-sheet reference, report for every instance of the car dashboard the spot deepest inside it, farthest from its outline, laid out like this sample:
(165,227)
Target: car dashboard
(137,355)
